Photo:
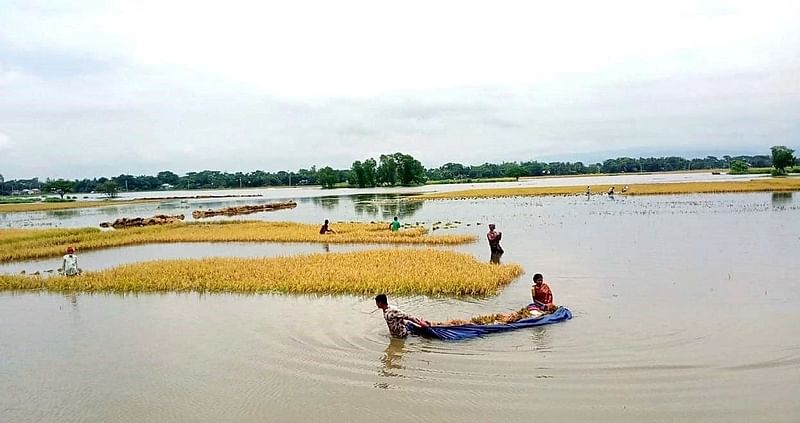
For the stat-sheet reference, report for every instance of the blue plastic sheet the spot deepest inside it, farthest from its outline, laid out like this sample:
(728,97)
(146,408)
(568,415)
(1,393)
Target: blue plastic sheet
(458,332)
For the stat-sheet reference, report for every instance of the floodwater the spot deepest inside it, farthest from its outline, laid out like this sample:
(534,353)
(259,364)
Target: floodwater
(366,201)
(686,308)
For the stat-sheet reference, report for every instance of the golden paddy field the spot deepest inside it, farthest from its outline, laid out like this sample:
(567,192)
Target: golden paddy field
(395,271)
(755,185)
(20,244)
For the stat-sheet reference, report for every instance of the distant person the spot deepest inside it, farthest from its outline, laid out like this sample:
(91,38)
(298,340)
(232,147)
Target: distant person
(395,225)
(588,191)
(625,188)
(541,294)
(325,229)
(70,263)
(611,191)
(396,319)
(494,240)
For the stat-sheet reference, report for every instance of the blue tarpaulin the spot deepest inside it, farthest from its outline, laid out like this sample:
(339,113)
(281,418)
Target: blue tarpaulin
(458,332)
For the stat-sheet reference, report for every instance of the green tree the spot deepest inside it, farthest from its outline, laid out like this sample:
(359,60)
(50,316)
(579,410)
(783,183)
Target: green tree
(387,170)
(738,167)
(109,188)
(409,170)
(370,167)
(357,176)
(167,177)
(327,177)
(515,171)
(59,186)
(782,157)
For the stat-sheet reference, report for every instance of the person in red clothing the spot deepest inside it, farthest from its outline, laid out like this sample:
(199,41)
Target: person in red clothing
(541,293)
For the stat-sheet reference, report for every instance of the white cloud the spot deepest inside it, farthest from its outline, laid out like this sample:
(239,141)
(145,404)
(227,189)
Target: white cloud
(5,142)
(98,87)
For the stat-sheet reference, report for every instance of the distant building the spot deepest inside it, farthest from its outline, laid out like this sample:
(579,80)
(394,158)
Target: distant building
(167,186)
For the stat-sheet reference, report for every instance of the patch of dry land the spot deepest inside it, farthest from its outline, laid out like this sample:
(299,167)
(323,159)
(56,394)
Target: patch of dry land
(754,185)
(33,207)
(396,271)
(21,244)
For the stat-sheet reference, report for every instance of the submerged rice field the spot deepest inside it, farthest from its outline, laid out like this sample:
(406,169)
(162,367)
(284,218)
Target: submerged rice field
(685,309)
(408,272)
(20,244)
(756,185)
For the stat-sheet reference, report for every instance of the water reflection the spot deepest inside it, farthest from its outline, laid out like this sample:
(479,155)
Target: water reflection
(391,361)
(780,199)
(386,206)
(541,339)
(62,214)
(328,203)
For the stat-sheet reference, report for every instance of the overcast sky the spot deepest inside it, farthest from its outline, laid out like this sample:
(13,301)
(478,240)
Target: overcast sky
(99,88)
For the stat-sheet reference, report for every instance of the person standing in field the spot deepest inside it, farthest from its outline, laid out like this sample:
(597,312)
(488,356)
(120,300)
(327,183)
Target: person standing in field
(541,294)
(396,319)
(494,240)
(395,225)
(70,262)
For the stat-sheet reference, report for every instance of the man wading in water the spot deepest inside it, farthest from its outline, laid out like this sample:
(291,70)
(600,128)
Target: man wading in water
(69,263)
(494,240)
(395,318)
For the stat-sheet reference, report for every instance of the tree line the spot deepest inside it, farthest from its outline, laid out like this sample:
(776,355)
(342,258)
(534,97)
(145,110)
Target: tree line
(393,170)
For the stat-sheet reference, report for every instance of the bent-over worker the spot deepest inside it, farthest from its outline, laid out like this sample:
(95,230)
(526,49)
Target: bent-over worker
(325,229)
(395,318)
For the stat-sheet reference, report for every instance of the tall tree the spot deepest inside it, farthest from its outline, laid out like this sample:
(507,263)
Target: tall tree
(167,177)
(59,186)
(357,176)
(327,177)
(387,170)
(409,170)
(109,188)
(782,157)
(370,167)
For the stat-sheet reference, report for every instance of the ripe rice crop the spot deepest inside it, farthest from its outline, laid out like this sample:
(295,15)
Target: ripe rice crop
(396,271)
(755,185)
(491,319)
(19,244)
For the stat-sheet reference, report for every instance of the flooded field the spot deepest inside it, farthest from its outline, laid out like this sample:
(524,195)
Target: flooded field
(687,308)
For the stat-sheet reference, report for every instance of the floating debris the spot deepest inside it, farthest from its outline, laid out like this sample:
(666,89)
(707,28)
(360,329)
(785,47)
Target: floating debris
(136,222)
(234,211)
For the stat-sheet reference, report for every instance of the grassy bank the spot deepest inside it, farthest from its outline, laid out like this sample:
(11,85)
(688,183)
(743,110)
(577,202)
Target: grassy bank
(20,244)
(407,272)
(756,185)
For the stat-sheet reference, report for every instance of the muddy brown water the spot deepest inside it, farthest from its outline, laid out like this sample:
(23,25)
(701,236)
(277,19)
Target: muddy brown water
(687,308)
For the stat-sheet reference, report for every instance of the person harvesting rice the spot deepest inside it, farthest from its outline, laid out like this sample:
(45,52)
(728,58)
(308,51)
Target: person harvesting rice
(396,319)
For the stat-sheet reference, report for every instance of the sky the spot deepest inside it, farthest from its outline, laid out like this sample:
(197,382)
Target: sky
(101,88)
